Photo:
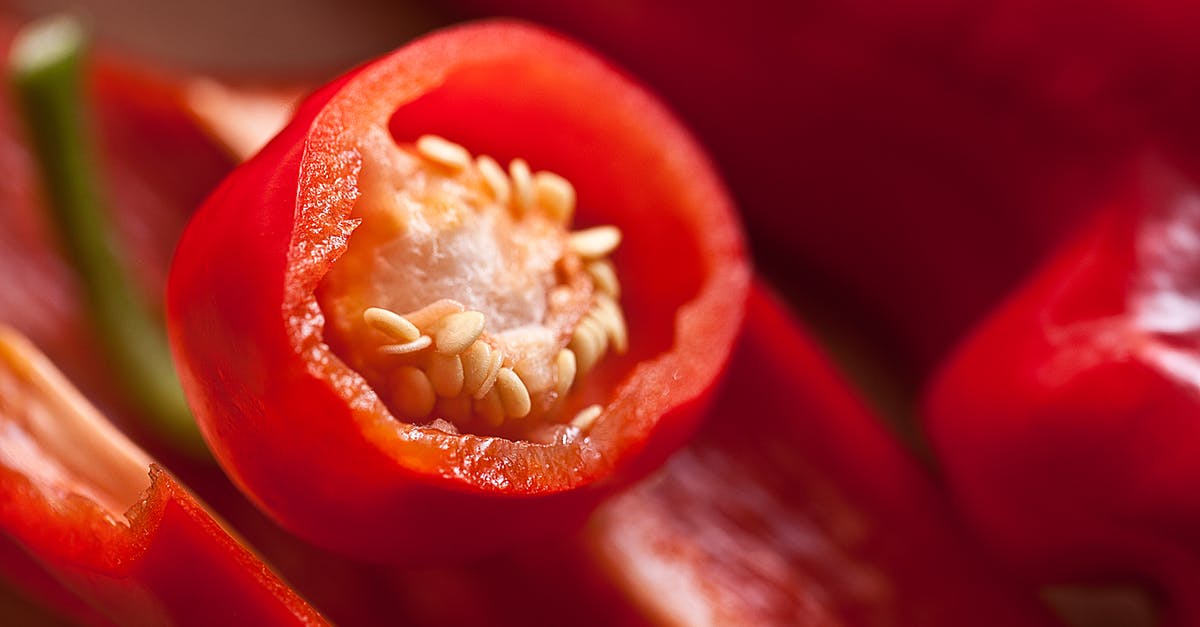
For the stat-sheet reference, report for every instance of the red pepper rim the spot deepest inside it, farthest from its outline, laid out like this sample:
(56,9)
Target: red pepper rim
(705,327)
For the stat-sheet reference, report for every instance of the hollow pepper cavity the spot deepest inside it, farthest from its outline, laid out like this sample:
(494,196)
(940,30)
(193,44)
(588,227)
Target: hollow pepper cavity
(403,349)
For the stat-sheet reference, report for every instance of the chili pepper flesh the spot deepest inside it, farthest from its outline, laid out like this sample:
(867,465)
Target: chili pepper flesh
(50,434)
(463,298)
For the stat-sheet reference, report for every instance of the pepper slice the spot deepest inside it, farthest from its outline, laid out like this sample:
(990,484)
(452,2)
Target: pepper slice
(95,513)
(1067,422)
(816,516)
(269,295)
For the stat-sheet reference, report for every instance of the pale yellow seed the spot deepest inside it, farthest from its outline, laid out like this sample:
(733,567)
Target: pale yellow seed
(412,393)
(393,324)
(609,313)
(514,396)
(587,417)
(421,343)
(458,331)
(490,409)
(476,361)
(565,363)
(586,348)
(495,178)
(489,380)
(444,152)
(522,185)
(596,242)
(446,374)
(604,277)
(555,195)
(425,317)
(598,330)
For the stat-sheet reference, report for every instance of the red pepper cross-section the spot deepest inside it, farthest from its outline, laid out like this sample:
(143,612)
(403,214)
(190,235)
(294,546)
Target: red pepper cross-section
(323,450)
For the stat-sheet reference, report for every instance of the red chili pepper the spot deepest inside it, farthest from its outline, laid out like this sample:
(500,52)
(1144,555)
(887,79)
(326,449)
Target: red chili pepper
(794,506)
(253,316)
(90,509)
(1067,423)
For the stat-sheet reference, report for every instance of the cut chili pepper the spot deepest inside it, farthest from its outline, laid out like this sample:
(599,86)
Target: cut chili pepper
(96,514)
(1067,423)
(793,506)
(401,351)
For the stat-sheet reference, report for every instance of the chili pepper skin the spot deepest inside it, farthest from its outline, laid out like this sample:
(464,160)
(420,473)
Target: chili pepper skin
(794,506)
(165,561)
(174,565)
(309,440)
(21,574)
(1066,423)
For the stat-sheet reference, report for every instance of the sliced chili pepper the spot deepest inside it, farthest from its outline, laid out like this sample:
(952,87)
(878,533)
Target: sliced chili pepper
(400,349)
(794,506)
(95,513)
(1067,423)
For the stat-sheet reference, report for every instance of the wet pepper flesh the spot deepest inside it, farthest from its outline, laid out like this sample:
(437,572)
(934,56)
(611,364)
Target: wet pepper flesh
(385,332)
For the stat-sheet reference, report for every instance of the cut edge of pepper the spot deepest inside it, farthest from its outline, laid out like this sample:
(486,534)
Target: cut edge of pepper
(704,325)
(119,498)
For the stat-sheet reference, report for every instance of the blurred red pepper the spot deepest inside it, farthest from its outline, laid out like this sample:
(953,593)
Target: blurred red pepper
(93,512)
(794,507)
(1067,423)
(310,440)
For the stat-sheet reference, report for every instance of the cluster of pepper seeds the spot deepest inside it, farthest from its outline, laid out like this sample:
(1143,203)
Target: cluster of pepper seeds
(446,366)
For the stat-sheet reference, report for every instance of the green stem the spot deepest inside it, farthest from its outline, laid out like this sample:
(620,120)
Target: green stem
(46,63)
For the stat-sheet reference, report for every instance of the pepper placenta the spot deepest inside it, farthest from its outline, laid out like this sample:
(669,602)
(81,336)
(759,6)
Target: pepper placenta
(1067,423)
(87,507)
(387,340)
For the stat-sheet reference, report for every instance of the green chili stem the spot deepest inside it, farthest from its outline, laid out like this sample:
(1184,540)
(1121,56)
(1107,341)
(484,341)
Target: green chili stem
(47,68)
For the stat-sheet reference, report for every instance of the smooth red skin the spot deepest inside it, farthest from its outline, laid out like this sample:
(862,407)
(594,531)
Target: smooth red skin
(1075,450)
(334,471)
(794,506)
(898,164)
(173,565)
(51,603)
